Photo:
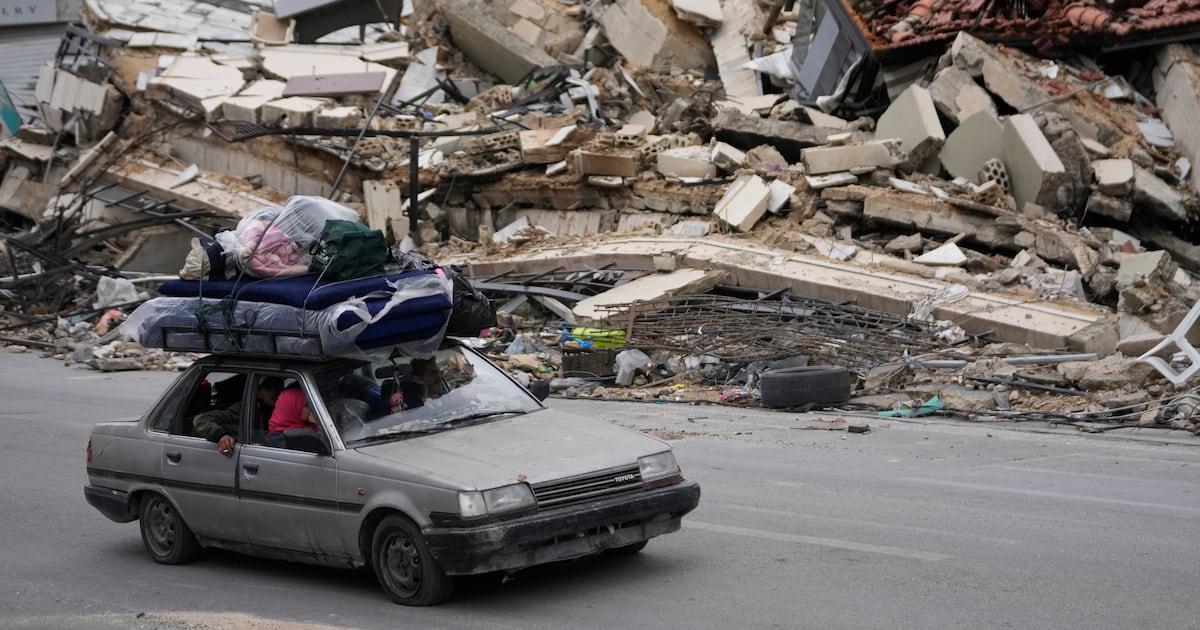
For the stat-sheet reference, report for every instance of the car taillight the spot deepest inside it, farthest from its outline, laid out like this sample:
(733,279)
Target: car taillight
(89,450)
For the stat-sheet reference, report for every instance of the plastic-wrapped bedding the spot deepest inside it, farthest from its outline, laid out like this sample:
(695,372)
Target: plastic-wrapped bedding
(411,314)
(300,291)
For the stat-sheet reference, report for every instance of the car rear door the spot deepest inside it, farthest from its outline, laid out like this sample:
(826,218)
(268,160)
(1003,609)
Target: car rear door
(198,478)
(287,497)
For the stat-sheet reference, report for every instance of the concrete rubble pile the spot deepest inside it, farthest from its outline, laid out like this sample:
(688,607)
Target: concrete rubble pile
(1032,213)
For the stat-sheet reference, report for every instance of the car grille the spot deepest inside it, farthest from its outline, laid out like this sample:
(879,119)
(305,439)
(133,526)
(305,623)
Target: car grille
(589,487)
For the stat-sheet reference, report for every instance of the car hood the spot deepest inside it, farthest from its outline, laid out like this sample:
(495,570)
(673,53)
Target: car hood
(537,447)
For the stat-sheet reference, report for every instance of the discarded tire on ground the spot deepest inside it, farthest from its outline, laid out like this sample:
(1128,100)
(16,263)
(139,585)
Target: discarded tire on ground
(792,387)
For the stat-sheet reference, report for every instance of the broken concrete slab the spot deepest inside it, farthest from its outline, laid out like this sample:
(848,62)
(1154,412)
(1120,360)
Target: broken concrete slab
(1177,90)
(744,203)
(285,62)
(952,88)
(1157,196)
(648,287)
(926,214)
(746,132)
(1038,324)
(913,119)
(730,50)
(649,34)
(1034,167)
(1153,267)
(490,45)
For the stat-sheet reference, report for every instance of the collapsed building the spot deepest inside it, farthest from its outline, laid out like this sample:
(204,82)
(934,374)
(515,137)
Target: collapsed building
(986,202)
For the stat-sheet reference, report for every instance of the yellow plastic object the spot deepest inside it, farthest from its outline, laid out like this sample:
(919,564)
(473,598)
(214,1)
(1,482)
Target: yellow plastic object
(600,337)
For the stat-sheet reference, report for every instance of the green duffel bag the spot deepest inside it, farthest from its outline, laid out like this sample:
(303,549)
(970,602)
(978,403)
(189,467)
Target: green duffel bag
(349,250)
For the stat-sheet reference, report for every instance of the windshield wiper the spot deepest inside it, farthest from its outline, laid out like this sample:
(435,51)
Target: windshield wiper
(453,423)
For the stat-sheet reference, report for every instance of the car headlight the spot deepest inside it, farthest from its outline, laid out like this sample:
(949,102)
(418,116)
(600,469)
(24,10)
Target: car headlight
(659,470)
(495,501)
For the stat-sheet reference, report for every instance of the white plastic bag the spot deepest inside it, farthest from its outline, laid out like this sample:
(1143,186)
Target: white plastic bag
(274,242)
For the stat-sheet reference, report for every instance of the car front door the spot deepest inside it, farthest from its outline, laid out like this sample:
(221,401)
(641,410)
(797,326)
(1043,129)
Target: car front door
(288,497)
(198,478)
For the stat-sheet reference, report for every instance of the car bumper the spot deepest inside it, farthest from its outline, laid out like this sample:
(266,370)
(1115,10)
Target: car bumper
(112,503)
(562,534)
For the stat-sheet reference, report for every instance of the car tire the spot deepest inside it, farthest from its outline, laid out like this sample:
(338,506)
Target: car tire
(404,566)
(165,535)
(793,387)
(627,550)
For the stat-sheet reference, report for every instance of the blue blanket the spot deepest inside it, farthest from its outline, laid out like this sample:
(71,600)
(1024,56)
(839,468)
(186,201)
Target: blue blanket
(299,291)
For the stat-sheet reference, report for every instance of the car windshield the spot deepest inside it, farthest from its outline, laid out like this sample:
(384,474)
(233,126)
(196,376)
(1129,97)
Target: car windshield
(398,397)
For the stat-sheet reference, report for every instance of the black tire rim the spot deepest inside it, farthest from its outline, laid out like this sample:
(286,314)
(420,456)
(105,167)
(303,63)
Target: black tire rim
(402,565)
(160,520)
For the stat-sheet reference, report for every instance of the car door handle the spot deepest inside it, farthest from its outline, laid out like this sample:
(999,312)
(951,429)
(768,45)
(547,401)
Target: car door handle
(174,456)
(250,468)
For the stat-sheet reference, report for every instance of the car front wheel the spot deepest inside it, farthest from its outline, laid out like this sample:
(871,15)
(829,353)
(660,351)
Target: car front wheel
(167,538)
(405,568)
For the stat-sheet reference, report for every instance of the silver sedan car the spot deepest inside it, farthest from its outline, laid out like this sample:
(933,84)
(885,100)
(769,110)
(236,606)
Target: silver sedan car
(420,469)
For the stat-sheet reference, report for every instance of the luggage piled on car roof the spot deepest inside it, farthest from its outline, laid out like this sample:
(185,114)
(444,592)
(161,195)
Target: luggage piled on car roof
(307,279)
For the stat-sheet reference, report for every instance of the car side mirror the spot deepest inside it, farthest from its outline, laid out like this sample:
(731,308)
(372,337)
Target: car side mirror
(540,389)
(304,440)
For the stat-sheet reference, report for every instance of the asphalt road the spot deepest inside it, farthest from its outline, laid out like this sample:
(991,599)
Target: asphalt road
(914,525)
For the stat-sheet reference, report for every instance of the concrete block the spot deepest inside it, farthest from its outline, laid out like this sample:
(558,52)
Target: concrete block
(686,162)
(295,111)
(913,119)
(727,156)
(833,159)
(489,44)
(1157,196)
(1104,205)
(1032,164)
(781,194)
(744,203)
(978,139)
(608,163)
(649,34)
(1113,177)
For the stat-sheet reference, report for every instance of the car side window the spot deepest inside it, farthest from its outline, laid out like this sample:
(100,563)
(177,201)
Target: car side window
(211,402)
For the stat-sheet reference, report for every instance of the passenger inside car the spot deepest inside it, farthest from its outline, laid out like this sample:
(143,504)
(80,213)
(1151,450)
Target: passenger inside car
(221,425)
(292,411)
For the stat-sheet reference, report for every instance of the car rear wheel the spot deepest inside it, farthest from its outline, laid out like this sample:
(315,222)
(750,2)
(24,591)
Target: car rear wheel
(406,569)
(167,538)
